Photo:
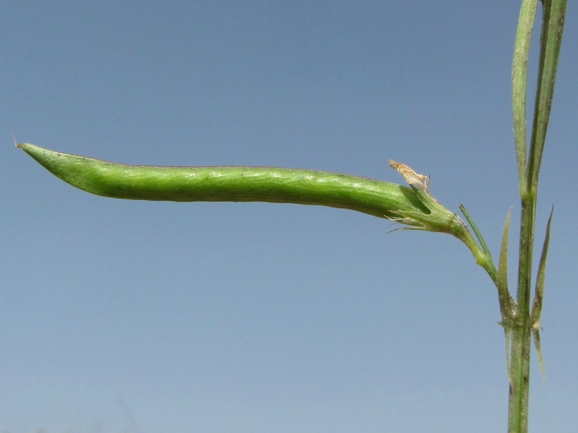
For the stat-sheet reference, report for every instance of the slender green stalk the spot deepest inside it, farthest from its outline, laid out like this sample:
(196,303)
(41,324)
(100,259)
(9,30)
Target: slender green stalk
(523,326)
(520,357)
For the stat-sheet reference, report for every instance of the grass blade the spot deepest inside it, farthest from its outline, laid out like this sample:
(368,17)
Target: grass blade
(550,43)
(507,303)
(520,82)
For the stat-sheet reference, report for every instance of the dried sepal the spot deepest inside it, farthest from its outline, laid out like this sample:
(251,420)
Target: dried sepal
(411,177)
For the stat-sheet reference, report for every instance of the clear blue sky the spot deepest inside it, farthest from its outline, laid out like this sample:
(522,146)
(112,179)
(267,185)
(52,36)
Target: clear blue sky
(120,316)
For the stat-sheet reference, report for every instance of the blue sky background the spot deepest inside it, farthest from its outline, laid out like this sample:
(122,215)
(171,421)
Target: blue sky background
(121,316)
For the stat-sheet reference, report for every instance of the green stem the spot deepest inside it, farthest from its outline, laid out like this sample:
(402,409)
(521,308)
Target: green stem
(522,327)
(521,332)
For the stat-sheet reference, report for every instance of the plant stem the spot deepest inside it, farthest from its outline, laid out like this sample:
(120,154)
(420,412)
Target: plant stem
(521,332)
(528,169)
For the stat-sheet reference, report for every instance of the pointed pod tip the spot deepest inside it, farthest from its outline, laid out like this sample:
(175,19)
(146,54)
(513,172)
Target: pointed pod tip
(22,146)
(25,146)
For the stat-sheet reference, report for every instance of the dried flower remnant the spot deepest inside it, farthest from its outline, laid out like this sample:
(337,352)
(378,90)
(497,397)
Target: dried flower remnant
(410,176)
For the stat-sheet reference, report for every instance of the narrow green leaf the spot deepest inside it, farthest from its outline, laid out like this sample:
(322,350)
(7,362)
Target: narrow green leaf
(541,278)
(507,303)
(485,258)
(539,296)
(550,43)
(519,83)
(477,232)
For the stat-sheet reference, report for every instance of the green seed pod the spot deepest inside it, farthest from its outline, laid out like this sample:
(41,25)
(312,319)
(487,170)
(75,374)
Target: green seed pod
(410,206)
